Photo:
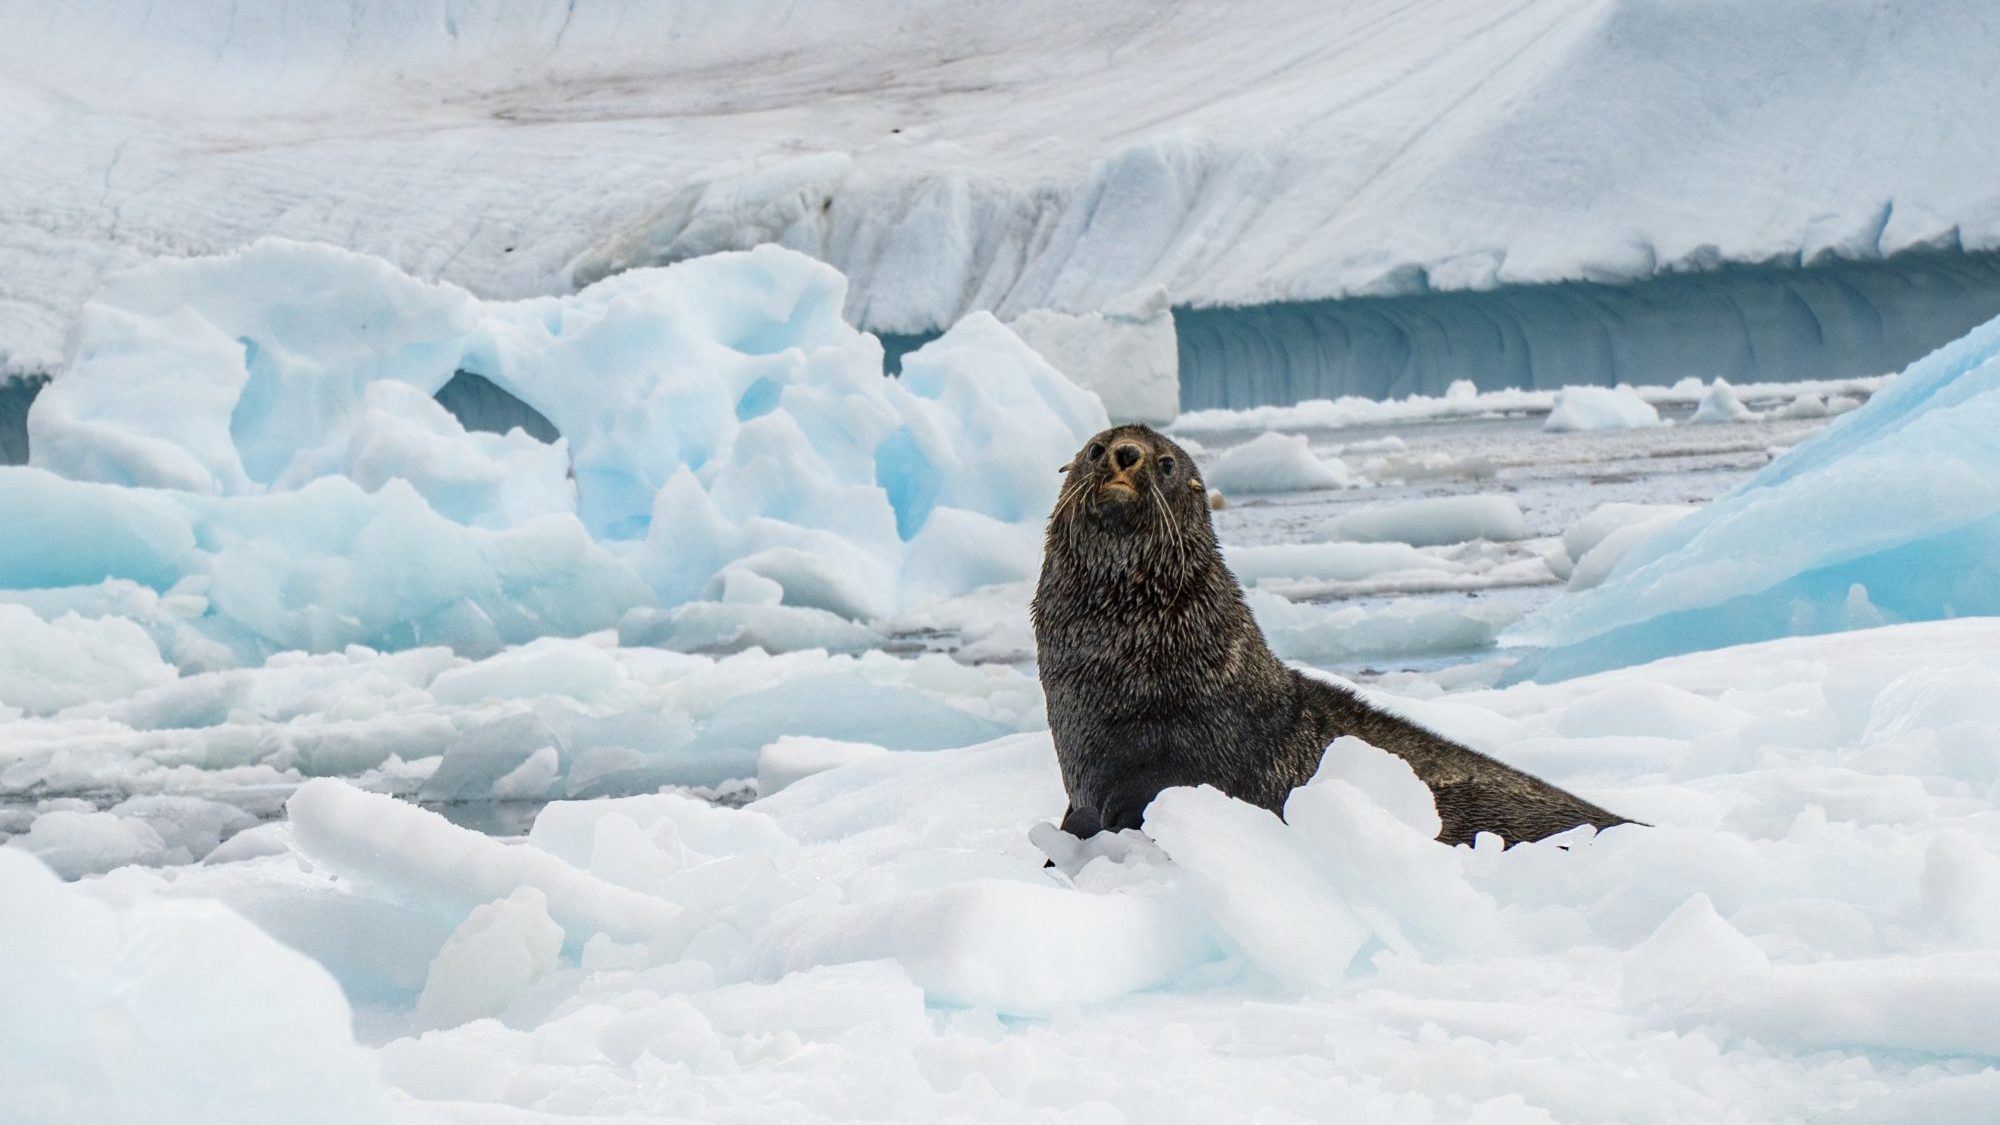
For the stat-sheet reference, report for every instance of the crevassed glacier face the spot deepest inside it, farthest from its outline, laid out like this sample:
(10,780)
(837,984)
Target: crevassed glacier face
(1892,514)
(258,434)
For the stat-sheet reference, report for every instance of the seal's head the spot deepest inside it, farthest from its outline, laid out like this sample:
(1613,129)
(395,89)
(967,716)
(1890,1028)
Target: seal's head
(1133,503)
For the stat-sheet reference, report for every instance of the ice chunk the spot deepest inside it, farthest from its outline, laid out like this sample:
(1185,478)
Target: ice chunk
(1694,959)
(1384,778)
(480,479)
(1274,462)
(1432,521)
(168,1011)
(189,826)
(1808,405)
(1600,408)
(722,627)
(46,666)
(1588,532)
(501,949)
(419,858)
(76,844)
(1370,828)
(385,569)
(1127,354)
(533,779)
(1325,634)
(1013,947)
(793,757)
(1720,404)
(1899,498)
(1258,886)
(1596,564)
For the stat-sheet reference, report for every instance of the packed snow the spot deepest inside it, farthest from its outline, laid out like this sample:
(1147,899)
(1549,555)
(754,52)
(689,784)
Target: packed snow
(1889,515)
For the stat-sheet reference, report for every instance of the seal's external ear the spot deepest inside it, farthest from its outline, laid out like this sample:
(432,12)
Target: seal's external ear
(1067,466)
(1195,483)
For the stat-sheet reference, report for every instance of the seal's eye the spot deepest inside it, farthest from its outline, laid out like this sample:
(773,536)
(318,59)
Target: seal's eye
(1096,451)
(1166,466)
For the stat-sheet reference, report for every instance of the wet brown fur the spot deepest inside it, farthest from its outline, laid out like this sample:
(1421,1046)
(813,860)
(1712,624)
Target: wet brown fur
(1156,674)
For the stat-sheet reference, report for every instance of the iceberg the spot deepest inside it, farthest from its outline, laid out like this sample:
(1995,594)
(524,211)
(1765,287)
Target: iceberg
(260,434)
(1892,514)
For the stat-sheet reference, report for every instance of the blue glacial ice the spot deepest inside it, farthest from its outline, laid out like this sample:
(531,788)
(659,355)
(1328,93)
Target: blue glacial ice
(1892,514)
(258,436)
(1747,324)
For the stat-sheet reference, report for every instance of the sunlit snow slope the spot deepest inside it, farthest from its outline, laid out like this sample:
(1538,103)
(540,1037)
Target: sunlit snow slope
(951,157)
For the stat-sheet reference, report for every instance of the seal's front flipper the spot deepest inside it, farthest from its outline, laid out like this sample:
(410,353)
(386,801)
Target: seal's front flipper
(1082,823)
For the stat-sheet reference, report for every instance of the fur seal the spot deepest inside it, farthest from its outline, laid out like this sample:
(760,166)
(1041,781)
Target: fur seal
(1156,675)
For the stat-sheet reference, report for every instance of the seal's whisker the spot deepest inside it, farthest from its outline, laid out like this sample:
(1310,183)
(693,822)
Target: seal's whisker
(1173,530)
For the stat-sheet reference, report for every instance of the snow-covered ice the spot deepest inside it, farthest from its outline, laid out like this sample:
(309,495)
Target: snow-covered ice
(1804,933)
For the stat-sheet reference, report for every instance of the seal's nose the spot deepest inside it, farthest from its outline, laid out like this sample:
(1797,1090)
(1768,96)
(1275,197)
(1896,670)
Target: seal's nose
(1127,454)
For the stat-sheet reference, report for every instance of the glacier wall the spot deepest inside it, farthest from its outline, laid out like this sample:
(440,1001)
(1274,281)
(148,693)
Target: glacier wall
(1746,324)
(952,158)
